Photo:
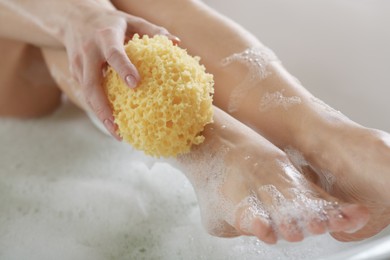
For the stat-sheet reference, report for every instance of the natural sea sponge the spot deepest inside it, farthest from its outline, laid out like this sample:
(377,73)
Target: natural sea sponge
(166,113)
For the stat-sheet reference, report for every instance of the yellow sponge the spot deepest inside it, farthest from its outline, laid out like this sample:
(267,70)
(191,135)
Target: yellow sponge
(166,113)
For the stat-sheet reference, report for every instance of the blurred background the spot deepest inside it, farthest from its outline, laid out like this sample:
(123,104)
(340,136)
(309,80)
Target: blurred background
(338,49)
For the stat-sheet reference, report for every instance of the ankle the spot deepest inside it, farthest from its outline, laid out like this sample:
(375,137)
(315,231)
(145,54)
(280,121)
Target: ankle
(322,132)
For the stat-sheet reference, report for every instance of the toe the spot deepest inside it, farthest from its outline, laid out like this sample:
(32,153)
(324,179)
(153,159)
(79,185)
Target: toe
(378,221)
(317,225)
(221,229)
(290,230)
(263,230)
(253,220)
(347,218)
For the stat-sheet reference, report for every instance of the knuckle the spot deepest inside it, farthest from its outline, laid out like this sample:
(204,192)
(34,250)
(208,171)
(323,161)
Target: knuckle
(112,53)
(100,112)
(87,46)
(72,72)
(89,101)
(96,108)
(74,75)
(136,21)
(111,30)
(140,22)
(75,59)
(87,86)
(161,30)
(105,31)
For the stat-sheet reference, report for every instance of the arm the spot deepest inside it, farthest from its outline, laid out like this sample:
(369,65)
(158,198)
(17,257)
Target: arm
(92,32)
(43,22)
(15,26)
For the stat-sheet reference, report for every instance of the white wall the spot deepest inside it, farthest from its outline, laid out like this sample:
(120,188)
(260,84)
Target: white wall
(339,49)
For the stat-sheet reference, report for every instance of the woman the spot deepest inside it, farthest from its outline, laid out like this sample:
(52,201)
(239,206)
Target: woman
(312,173)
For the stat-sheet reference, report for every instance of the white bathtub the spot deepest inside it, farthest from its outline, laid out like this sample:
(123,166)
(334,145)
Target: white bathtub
(69,192)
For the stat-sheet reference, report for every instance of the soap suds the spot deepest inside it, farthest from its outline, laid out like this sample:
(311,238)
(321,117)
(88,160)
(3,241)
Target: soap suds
(277,99)
(325,177)
(327,108)
(256,59)
(77,197)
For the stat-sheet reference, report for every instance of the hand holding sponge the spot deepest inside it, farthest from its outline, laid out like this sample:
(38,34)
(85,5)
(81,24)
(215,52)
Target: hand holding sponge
(166,113)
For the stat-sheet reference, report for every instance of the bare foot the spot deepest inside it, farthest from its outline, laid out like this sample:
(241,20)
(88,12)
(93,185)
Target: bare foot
(247,186)
(352,163)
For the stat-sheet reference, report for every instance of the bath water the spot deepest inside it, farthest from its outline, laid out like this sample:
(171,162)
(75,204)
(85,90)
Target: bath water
(69,192)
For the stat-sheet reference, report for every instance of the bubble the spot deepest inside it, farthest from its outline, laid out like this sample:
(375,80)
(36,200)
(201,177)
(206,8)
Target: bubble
(253,208)
(326,178)
(297,208)
(327,108)
(256,59)
(205,168)
(296,157)
(277,99)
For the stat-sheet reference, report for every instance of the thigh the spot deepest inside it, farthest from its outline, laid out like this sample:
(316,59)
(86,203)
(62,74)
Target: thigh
(26,87)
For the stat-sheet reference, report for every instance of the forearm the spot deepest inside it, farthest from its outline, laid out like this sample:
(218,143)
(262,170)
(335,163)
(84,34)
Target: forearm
(17,27)
(41,23)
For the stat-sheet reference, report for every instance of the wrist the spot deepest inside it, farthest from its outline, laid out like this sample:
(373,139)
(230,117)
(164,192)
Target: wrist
(78,14)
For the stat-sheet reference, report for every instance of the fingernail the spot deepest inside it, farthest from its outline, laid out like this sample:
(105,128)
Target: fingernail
(131,81)
(111,128)
(109,125)
(175,40)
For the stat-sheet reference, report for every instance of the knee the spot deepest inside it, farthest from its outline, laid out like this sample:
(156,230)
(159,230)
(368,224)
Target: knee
(24,102)
(26,87)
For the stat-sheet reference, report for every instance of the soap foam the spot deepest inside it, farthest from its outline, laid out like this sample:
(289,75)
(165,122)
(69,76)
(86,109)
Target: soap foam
(297,208)
(205,167)
(327,108)
(325,177)
(256,59)
(277,99)
(82,196)
(253,208)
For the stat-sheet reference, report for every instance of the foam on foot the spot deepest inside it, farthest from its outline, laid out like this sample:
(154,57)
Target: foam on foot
(242,189)
(256,59)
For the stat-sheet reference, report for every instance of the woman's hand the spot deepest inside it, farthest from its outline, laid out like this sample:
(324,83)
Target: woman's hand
(94,37)
(93,33)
